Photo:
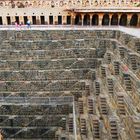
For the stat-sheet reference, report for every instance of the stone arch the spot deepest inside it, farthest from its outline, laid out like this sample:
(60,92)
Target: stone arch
(113,1)
(78,20)
(69,2)
(87,3)
(22,5)
(95,19)
(43,3)
(30,4)
(114,19)
(96,2)
(35,4)
(105,20)
(26,4)
(61,3)
(105,1)
(1,4)
(9,4)
(5,3)
(52,4)
(39,3)
(78,3)
(123,20)
(13,5)
(18,4)
(86,20)
(134,20)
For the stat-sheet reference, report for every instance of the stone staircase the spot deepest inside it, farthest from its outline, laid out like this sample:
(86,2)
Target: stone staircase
(59,85)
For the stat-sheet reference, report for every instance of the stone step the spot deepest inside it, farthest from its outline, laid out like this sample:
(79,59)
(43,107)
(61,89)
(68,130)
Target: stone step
(25,86)
(58,74)
(46,65)
(47,54)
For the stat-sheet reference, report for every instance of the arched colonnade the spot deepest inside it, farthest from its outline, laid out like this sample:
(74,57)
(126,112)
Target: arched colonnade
(106,19)
(81,19)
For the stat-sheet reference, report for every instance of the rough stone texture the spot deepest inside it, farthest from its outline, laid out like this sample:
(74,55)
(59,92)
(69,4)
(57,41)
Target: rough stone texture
(99,68)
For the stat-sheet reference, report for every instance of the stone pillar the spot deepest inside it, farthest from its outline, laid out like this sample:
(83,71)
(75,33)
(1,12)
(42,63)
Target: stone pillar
(47,20)
(4,20)
(21,20)
(128,19)
(38,22)
(138,25)
(110,17)
(55,20)
(64,20)
(13,19)
(73,19)
(119,17)
(82,16)
(91,19)
(100,19)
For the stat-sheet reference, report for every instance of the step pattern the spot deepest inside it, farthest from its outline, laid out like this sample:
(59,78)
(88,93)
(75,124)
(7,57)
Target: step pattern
(99,69)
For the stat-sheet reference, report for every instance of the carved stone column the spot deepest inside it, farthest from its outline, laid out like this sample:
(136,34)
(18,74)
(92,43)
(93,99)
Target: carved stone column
(100,19)
(55,20)
(129,16)
(91,19)
(4,20)
(119,18)
(13,19)
(73,19)
(64,20)
(110,17)
(82,16)
(47,20)
(138,25)
(21,20)
(38,20)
